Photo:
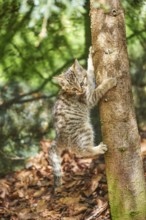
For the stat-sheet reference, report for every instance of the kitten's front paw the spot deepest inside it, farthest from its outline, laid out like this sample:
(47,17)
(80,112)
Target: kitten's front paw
(112,81)
(102,148)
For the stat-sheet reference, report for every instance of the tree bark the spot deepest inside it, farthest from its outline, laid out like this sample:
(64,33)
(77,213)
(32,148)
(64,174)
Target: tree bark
(124,168)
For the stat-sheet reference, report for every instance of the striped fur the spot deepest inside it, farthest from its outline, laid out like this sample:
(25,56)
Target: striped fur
(72,115)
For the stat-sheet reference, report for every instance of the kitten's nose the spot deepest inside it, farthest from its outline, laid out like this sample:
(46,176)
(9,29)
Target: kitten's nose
(80,91)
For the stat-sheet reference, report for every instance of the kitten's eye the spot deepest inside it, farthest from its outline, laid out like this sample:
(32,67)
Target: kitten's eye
(81,84)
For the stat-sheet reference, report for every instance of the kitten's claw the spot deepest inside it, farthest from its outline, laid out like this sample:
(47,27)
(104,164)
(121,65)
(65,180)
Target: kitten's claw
(102,148)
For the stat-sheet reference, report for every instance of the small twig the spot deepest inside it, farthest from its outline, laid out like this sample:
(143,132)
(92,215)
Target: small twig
(37,98)
(97,211)
(11,157)
(18,98)
(136,32)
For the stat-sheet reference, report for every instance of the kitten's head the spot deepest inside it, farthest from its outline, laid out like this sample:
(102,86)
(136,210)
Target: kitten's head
(74,80)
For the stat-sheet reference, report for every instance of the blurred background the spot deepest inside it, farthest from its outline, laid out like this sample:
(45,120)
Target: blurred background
(39,39)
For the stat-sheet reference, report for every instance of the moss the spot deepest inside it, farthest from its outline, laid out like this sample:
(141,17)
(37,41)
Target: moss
(122,149)
(133,213)
(123,204)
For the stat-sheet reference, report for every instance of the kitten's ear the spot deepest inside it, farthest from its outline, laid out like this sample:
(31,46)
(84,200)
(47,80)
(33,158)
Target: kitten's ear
(72,68)
(77,66)
(60,79)
(76,63)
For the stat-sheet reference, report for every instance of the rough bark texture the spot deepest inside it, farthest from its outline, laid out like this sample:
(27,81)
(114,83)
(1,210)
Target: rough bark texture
(124,166)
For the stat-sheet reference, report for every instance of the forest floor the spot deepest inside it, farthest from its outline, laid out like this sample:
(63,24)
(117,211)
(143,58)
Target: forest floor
(27,194)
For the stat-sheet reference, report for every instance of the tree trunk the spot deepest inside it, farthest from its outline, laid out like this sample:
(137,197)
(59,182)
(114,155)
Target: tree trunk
(124,168)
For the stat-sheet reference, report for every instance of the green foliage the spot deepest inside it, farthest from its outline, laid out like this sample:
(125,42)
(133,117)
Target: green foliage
(35,44)
(23,124)
(28,54)
(136,35)
(39,39)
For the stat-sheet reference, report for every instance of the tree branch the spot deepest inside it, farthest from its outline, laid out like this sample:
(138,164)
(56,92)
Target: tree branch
(36,98)
(136,32)
(18,99)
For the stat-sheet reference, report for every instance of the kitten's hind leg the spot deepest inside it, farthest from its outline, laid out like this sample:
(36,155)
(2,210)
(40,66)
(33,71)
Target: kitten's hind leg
(91,151)
(85,144)
(100,149)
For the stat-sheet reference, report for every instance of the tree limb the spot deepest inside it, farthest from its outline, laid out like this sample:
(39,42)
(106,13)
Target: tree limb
(18,98)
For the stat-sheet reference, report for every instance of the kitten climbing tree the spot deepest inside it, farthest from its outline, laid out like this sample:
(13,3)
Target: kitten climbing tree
(124,170)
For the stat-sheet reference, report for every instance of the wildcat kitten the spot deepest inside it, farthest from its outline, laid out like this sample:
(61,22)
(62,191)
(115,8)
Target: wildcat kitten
(72,115)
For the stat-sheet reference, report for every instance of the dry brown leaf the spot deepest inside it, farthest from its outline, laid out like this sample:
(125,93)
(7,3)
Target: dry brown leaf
(41,206)
(69,200)
(52,214)
(24,214)
(4,188)
(79,217)
(27,194)
(79,208)
(39,192)
(97,210)
(94,182)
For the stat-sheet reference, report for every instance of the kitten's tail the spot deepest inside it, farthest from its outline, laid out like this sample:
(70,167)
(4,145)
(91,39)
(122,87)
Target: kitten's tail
(55,162)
